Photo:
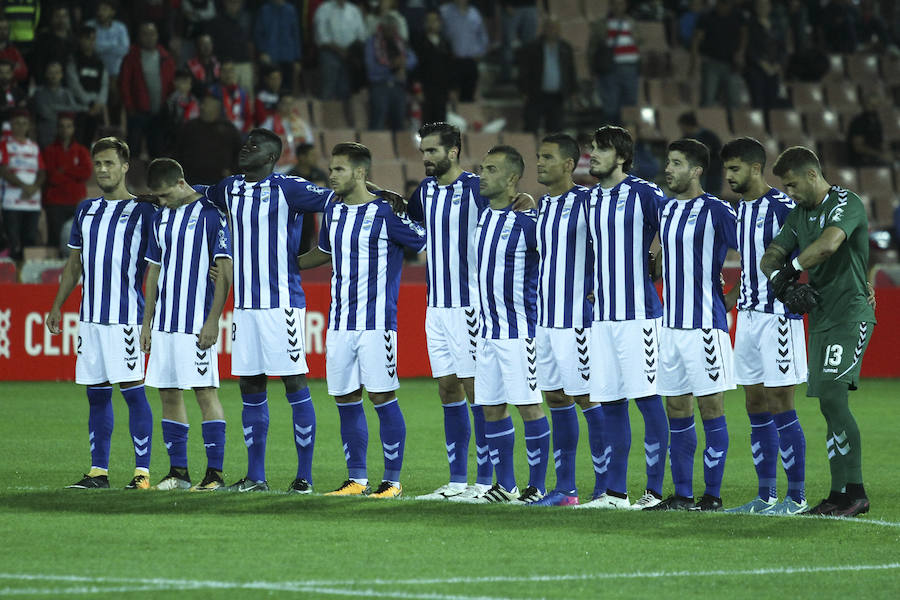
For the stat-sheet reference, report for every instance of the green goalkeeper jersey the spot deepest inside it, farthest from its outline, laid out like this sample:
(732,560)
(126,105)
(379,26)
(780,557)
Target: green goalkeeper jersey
(841,279)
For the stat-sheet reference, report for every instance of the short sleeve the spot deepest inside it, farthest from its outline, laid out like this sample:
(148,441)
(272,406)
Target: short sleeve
(324,232)
(216,194)
(154,252)
(786,238)
(403,231)
(726,223)
(221,245)
(75,240)
(652,199)
(304,196)
(847,216)
(415,205)
(528,221)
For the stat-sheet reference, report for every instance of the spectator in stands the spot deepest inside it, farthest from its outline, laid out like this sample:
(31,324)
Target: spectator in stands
(23,22)
(69,166)
(645,164)
(340,33)
(162,13)
(197,15)
(415,11)
(618,86)
(865,135)
(435,61)
(181,106)
(378,9)
(55,43)
(268,95)
(388,60)
(872,30)
(520,27)
(767,35)
(687,22)
(546,78)
(720,41)
(112,45)
(277,37)
(204,66)
(21,178)
(86,76)
(837,22)
(11,95)
(711,180)
(207,147)
(230,32)
(468,37)
(146,81)
(49,100)
(306,165)
(234,98)
(8,51)
(290,126)
(112,37)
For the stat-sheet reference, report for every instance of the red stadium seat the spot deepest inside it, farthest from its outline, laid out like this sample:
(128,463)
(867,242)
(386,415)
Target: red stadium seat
(667,122)
(878,183)
(407,146)
(807,96)
(845,177)
(786,124)
(715,119)
(476,145)
(332,137)
(835,68)
(332,114)
(823,124)
(380,143)
(389,174)
(863,67)
(832,153)
(842,96)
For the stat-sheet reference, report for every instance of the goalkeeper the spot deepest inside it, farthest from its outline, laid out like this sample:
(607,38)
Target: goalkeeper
(829,229)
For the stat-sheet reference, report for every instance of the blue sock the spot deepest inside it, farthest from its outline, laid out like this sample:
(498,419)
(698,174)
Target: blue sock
(792,445)
(393,438)
(656,440)
(255,419)
(764,447)
(484,473)
(140,424)
(537,448)
(565,446)
(456,436)
(100,425)
(594,418)
(501,439)
(682,446)
(175,437)
(617,433)
(716,431)
(214,442)
(355,436)
(304,417)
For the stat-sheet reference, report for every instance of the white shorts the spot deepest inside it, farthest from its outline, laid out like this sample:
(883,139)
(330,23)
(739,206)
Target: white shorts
(177,362)
(108,353)
(695,361)
(769,349)
(625,355)
(452,336)
(506,372)
(361,358)
(268,340)
(564,360)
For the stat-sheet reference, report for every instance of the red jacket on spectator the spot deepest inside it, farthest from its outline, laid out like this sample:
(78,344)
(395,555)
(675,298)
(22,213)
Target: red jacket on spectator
(135,97)
(68,170)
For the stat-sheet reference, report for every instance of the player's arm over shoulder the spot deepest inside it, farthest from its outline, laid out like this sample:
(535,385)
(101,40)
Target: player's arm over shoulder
(303,195)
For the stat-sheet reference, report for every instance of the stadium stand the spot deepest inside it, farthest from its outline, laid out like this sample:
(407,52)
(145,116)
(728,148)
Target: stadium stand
(33,270)
(8,271)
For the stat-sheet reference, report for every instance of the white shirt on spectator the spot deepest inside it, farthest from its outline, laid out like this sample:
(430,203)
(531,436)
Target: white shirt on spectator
(339,25)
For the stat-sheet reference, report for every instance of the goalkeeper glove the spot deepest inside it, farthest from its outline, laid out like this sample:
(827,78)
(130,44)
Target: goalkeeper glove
(800,298)
(782,278)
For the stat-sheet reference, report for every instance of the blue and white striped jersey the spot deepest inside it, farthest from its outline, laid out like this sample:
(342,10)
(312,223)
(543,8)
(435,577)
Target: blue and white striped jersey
(112,236)
(185,243)
(695,235)
(758,222)
(565,270)
(266,225)
(449,214)
(506,246)
(622,222)
(366,244)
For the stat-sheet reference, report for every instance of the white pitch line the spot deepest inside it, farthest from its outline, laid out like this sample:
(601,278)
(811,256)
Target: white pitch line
(326,587)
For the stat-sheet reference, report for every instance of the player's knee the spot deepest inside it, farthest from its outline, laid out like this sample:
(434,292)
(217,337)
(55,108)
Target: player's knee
(495,412)
(711,407)
(531,412)
(557,399)
(294,383)
(679,407)
(781,400)
(379,398)
(450,390)
(350,398)
(253,384)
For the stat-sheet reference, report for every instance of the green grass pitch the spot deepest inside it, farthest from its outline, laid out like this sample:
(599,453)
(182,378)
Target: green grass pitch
(112,544)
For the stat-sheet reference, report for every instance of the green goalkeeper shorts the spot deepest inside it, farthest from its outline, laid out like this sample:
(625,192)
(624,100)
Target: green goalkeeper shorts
(836,354)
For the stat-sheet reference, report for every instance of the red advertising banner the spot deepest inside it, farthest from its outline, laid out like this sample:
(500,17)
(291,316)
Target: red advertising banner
(29,353)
